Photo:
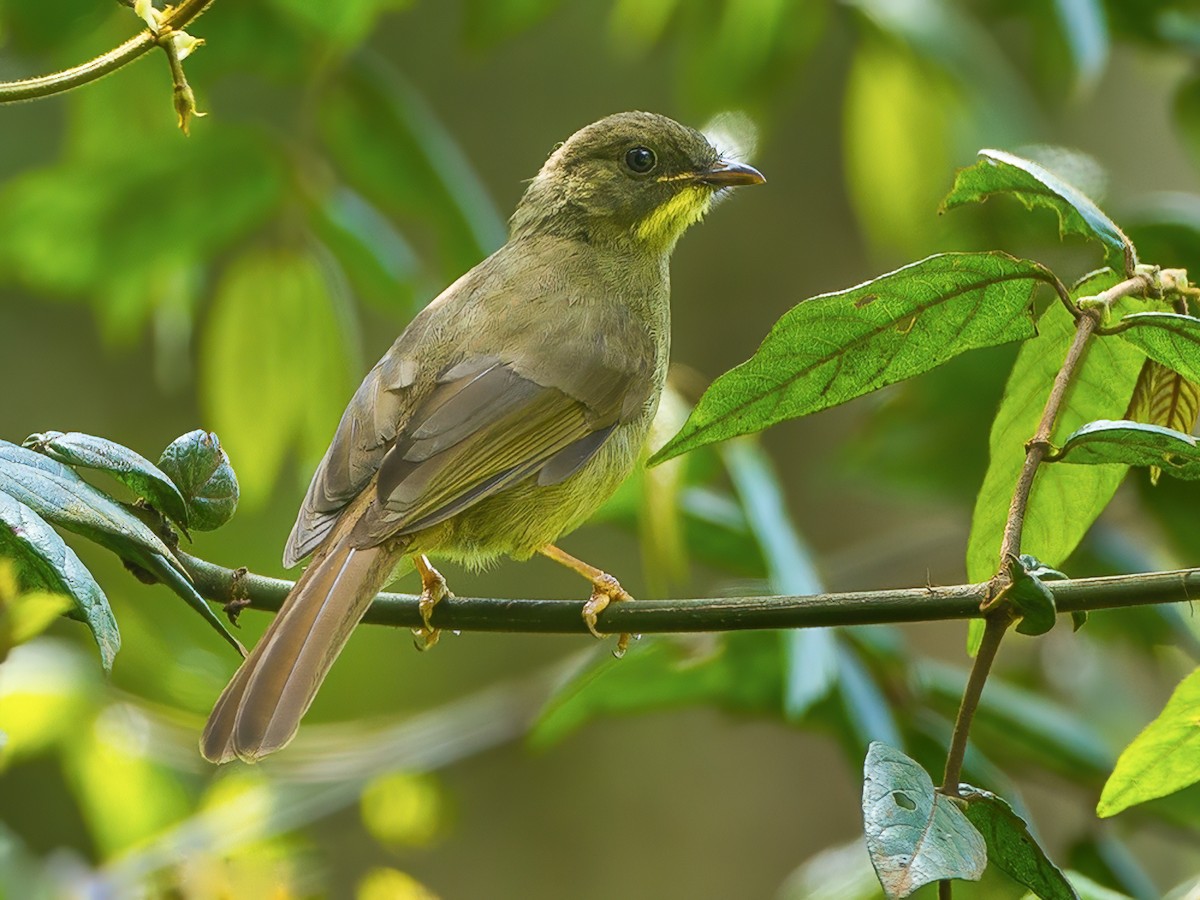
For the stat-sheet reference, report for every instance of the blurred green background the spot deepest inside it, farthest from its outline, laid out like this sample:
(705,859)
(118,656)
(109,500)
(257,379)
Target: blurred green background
(359,156)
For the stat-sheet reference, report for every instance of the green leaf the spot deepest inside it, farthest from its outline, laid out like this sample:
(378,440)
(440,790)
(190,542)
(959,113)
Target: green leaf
(998,172)
(914,834)
(1012,847)
(391,146)
(740,672)
(274,365)
(198,465)
(1132,444)
(131,469)
(1065,500)
(811,654)
(1169,338)
(45,561)
(1032,599)
(1161,760)
(55,492)
(1085,28)
(29,614)
(344,24)
(839,346)
(895,99)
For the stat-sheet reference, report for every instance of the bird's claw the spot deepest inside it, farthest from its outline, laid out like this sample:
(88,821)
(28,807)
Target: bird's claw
(433,591)
(606,590)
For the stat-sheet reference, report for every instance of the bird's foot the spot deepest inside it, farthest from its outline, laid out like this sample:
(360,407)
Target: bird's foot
(605,590)
(433,591)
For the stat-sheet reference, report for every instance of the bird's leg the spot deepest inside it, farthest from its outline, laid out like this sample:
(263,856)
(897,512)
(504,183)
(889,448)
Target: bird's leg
(433,589)
(605,590)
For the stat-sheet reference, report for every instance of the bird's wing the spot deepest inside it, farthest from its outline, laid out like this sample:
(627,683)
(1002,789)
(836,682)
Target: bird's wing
(486,426)
(366,432)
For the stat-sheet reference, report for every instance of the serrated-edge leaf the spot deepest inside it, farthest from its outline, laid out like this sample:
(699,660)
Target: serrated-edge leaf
(914,834)
(1012,847)
(55,492)
(75,448)
(1132,444)
(1161,760)
(998,172)
(1171,339)
(835,347)
(55,567)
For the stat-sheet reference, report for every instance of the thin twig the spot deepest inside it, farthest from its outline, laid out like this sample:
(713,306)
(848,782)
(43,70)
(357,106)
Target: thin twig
(709,614)
(174,18)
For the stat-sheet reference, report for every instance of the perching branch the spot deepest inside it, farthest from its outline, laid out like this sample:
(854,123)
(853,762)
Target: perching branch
(172,19)
(710,614)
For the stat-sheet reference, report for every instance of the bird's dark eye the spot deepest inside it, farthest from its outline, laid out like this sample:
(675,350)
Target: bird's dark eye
(640,160)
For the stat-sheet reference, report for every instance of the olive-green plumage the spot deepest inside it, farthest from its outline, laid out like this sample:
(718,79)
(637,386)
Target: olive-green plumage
(503,416)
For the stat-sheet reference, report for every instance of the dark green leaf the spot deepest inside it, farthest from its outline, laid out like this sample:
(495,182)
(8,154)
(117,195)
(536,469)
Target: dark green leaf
(1065,499)
(1170,338)
(55,492)
(131,469)
(839,346)
(393,148)
(998,172)
(1132,444)
(1163,759)
(1012,847)
(44,561)
(1032,599)
(741,672)
(198,465)
(914,834)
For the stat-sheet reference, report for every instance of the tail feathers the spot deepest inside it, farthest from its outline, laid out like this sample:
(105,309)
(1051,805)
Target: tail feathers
(261,708)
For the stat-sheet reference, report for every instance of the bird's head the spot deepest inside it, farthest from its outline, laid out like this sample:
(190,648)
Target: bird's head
(631,177)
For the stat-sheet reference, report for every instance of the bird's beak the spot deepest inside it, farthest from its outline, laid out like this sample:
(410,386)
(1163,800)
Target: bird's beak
(730,174)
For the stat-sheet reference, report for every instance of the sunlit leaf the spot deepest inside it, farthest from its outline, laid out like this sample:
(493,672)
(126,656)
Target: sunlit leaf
(25,616)
(131,469)
(915,835)
(1133,444)
(1163,759)
(44,561)
(1012,847)
(274,371)
(401,809)
(199,466)
(998,172)
(1065,499)
(391,884)
(47,688)
(839,346)
(899,111)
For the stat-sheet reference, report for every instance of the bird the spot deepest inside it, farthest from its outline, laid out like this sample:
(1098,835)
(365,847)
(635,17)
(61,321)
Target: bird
(507,411)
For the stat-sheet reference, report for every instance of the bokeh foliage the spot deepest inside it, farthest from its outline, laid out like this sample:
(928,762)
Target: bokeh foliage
(328,195)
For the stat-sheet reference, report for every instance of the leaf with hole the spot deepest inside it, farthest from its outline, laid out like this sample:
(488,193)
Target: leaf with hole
(1161,760)
(131,469)
(1012,847)
(998,172)
(44,561)
(835,347)
(914,834)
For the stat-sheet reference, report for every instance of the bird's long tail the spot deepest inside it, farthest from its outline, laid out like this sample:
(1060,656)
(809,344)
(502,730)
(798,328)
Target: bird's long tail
(261,708)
